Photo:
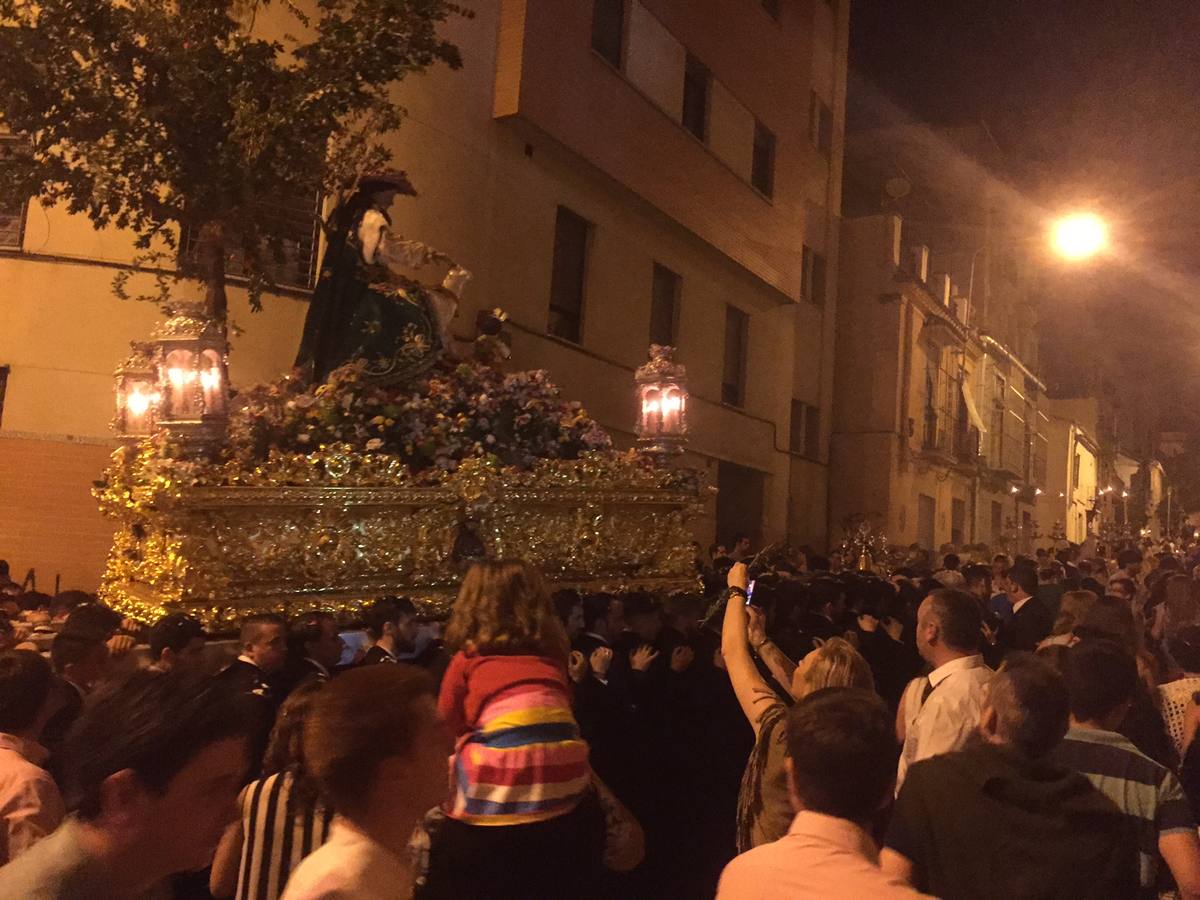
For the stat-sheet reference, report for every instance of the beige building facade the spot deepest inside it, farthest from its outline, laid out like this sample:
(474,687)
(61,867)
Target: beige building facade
(1072,471)
(938,436)
(613,173)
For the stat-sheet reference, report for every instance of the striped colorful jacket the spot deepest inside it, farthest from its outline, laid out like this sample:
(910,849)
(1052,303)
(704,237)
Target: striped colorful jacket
(518,754)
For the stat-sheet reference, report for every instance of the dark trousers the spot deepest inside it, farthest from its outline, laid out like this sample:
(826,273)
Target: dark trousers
(561,857)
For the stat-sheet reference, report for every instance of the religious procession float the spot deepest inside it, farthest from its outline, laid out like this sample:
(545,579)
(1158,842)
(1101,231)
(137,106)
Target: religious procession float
(390,458)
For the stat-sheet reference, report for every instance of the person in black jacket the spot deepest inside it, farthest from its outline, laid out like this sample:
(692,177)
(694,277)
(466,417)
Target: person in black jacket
(1031,621)
(256,674)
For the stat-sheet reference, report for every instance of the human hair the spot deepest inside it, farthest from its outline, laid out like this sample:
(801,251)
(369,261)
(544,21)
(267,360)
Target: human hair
(565,601)
(3,568)
(384,611)
(1001,558)
(842,744)
(65,602)
(504,609)
(595,608)
(1126,584)
(173,632)
(356,722)
(93,618)
(1101,675)
(959,618)
(1025,577)
(977,573)
(254,624)
(951,561)
(1128,557)
(1071,609)
(31,600)
(1055,655)
(306,628)
(1109,618)
(1182,608)
(835,663)
(1032,706)
(73,648)
(1051,573)
(152,723)
(823,592)
(25,680)
(285,747)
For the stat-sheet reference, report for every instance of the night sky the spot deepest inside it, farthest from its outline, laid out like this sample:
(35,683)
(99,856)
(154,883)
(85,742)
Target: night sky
(1094,104)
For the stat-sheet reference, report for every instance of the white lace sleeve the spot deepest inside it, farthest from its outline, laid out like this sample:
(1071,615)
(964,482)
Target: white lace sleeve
(371,233)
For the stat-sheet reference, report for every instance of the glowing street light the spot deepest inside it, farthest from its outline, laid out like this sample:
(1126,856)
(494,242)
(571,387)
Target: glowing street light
(1079,236)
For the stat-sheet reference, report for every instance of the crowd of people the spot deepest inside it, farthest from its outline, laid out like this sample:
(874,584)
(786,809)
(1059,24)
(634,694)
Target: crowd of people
(982,727)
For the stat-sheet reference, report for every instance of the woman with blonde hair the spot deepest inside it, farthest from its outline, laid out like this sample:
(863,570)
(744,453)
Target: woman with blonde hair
(764,804)
(1071,610)
(521,821)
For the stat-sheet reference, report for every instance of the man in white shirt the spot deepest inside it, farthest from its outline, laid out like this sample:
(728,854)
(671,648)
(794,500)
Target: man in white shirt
(940,712)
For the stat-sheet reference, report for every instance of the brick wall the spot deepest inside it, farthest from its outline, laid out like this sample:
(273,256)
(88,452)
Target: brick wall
(48,519)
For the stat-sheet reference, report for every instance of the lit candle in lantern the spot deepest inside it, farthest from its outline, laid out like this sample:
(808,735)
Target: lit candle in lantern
(661,383)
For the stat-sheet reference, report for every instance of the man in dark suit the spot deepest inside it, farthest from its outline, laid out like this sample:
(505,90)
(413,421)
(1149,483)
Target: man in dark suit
(1031,621)
(314,646)
(256,673)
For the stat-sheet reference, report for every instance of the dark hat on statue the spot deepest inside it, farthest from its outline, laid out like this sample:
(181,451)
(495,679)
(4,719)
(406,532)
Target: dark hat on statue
(389,179)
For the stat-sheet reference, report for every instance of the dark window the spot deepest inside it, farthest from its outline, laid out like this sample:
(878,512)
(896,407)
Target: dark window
(820,125)
(733,370)
(762,167)
(4,372)
(814,276)
(805,430)
(812,432)
(664,305)
(695,97)
(608,29)
(567,277)
(12,217)
(796,427)
(293,264)
(772,8)
(958,521)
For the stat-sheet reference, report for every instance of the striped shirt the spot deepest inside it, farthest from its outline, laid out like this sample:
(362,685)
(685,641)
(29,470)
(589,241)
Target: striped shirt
(1148,793)
(280,828)
(519,757)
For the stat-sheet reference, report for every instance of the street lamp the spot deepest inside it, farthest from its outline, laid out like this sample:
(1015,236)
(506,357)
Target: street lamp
(1079,236)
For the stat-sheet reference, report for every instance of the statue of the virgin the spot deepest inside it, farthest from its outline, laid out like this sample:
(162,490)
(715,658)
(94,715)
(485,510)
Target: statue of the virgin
(366,306)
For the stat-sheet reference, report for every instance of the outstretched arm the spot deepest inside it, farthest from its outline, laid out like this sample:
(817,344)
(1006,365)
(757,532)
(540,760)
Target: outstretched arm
(781,668)
(753,694)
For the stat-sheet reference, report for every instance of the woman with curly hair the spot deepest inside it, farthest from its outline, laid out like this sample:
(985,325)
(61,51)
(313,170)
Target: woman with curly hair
(521,821)
(764,805)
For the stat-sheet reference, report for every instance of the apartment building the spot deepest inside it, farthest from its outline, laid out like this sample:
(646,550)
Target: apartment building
(613,172)
(939,436)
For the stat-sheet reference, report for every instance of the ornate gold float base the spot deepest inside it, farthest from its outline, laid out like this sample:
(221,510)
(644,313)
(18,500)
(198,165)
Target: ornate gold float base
(220,552)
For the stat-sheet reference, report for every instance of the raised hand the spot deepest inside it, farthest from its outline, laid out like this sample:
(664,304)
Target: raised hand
(641,658)
(682,658)
(756,626)
(576,666)
(601,659)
